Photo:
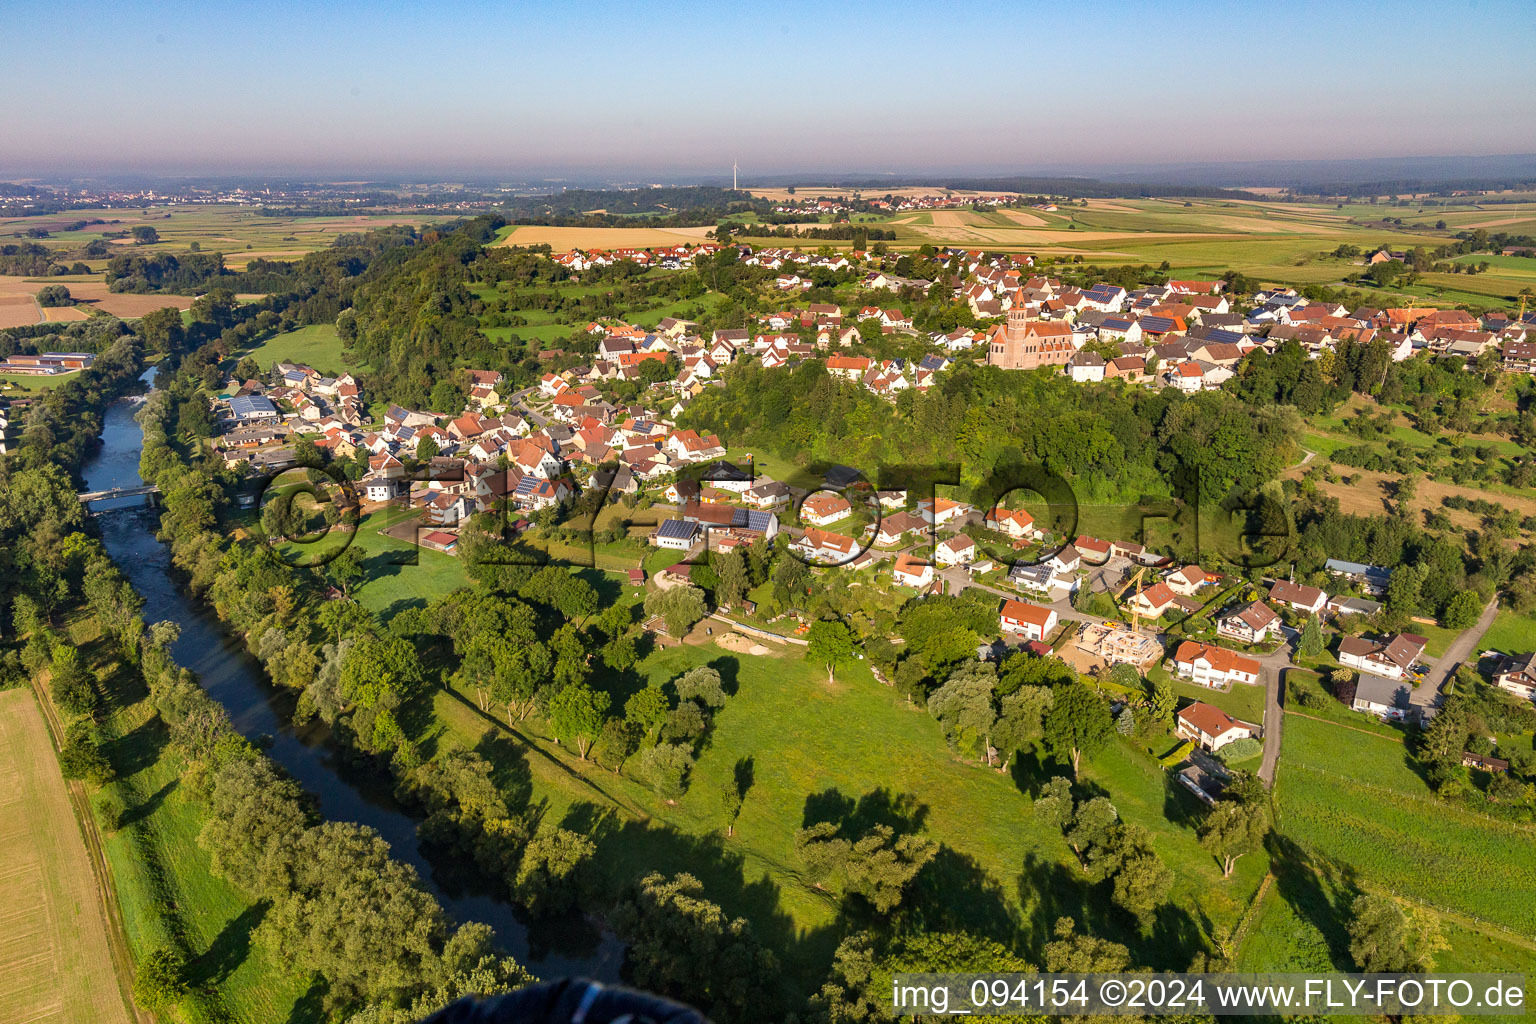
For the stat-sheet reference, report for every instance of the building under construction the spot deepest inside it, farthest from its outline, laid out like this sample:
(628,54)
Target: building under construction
(1115,645)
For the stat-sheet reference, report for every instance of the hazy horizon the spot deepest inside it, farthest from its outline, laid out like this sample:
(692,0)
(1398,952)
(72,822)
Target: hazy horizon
(624,88)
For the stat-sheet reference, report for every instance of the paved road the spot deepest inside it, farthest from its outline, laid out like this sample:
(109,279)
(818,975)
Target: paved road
(1273,678)
(1432,690)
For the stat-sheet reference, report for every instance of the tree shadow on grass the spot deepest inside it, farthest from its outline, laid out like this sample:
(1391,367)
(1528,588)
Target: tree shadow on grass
(1031,771)
(228,951)
(953,892)
(1319,891)
(510,772)
(627,850)
(149,805)
(309,1008)
(903,812)
(730,674)
(138,748)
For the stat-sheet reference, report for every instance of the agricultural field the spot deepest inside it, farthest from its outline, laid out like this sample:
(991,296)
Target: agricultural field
(55,961)
(237,231)
(565,238)
(788,724)
(1370,810)
(19,308)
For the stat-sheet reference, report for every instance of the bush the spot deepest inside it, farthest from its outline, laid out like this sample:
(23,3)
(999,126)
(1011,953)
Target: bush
(110,811)
(1240,750)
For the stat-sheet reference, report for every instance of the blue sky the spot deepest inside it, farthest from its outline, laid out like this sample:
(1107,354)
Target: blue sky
(520,89)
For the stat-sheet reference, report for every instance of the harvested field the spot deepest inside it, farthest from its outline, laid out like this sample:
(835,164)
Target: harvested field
(55,964)
(16,300)
(17,310)
(1024,219)
(780,195)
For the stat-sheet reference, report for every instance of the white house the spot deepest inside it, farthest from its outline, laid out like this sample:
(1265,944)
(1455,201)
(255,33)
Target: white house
(1210,665)
(1030,620)
(1211,727)
(956,550)
(910,571)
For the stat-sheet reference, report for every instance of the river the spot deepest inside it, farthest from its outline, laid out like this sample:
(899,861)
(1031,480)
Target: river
(262,713)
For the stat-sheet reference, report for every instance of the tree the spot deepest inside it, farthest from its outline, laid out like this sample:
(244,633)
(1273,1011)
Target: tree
(1232,829)
(877,865)
(831,644)
(1163,701)
(70,683)
(1379,936)
(686,723)
(1463,610)
(426,448)
(160,981)
(964,704)
(619,739)
(1071,953)
(1310,645)
(576,714)
(54,295)
(1054,805)
(1019,721)
(701,684)
(665,769)
(731,798)
(346,569)
(674,932)
(547,876)
(680,608)
(1077,724)
(647,709)
(1141,879)
(144,234)
(1092,824)
(735,581)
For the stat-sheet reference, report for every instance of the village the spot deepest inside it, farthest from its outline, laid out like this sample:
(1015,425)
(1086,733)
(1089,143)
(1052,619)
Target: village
(533,451)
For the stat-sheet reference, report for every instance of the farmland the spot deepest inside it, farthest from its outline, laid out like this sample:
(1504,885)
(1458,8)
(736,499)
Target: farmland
(55,963)
(1370,811)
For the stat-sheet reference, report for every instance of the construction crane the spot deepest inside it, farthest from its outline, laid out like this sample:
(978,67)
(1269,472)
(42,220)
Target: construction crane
(1135,610)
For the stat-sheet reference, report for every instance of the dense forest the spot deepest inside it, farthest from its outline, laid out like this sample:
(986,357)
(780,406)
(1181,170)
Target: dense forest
(1113,444)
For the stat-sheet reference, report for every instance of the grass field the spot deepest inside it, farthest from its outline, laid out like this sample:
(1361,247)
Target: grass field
(400,573)
(1511,633)
(1358,800)
(55,963)
(317,345)
(23,382)
(1002,873)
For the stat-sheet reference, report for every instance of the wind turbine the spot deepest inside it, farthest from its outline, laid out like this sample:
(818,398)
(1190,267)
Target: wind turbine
(733,175)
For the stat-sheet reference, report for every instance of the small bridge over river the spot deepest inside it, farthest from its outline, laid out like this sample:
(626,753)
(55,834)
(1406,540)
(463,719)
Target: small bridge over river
(146,490)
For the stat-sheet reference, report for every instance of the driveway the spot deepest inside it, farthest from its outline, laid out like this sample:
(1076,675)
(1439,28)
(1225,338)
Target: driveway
(1431,691)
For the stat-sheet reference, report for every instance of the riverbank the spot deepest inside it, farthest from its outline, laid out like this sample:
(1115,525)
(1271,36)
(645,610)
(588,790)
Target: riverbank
(262,713)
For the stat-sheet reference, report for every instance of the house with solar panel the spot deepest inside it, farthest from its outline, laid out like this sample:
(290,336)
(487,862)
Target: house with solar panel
(252,411)
(676,534)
